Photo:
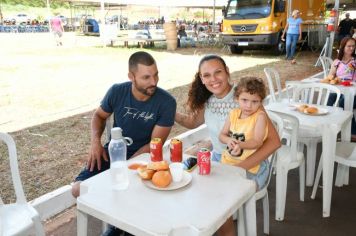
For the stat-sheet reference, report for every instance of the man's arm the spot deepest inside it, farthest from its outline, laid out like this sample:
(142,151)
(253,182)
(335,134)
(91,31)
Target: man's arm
(158,132)
(96,149)
(271,144)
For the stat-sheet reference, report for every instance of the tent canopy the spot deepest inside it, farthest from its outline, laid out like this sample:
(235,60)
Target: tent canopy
(161,3)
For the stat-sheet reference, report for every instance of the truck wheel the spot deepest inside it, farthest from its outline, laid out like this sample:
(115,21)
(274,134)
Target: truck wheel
(280,48)
(236,50)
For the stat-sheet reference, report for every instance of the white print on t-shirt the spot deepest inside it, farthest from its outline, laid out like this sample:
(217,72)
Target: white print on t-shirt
(136,114)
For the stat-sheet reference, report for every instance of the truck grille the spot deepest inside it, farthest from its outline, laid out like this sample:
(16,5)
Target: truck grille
(244,28)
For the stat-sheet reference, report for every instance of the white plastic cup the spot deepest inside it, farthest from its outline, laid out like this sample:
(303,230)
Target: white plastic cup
(176,169)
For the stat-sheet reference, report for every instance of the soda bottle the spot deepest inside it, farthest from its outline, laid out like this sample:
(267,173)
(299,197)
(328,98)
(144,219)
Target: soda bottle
(118,163)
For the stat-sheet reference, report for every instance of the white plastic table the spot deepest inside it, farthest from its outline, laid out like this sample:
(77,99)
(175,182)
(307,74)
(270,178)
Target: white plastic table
(349,92)
(330,125)
(199,208)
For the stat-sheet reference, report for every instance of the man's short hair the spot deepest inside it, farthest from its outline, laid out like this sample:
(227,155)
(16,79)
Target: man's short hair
(140,57)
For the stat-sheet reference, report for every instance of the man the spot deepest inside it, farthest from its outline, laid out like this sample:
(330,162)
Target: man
(140,108)
(345,27)
(183,37)
(57,29)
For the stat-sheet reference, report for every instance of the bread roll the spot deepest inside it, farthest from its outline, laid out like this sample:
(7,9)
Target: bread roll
(145,173)
(311,110)
(162,179)
(334,81)
(158,165)
(135,166)
(301,108)
(326,81)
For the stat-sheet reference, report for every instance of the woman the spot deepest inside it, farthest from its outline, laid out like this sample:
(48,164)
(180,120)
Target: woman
(344,67)
(210,100)
(294,33)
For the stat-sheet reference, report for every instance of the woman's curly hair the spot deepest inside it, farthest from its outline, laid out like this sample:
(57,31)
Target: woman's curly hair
(198,93)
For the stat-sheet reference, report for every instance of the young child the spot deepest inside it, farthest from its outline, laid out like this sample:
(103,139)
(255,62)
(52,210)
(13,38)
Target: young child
(245,128)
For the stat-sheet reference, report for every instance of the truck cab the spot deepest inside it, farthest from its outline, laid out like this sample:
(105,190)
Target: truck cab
(258,24)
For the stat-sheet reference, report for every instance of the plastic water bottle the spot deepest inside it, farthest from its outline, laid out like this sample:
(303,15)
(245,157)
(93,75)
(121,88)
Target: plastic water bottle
(118,163)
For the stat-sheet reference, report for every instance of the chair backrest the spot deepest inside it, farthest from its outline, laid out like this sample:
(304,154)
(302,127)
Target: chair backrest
(286,123)
(273,81)
(15,174)
(326,63)
(278,124)
(315,93)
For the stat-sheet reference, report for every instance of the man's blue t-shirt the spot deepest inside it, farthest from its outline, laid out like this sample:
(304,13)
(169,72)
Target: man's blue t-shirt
(293,27)
(138,118)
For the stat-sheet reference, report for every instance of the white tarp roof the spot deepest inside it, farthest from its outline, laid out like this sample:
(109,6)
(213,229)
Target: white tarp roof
(167,3)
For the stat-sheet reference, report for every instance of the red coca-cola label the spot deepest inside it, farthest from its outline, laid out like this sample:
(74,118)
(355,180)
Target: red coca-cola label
(176,150)
(204,161)
(156,149)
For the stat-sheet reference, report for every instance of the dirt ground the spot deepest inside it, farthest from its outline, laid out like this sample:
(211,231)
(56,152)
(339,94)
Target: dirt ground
(53,136)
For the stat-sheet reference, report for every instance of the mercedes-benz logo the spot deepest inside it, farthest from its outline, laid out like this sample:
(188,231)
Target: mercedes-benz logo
(243,28)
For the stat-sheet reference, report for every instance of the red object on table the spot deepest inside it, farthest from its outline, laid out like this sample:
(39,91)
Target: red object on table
(176,150)
(346,83)
(156,149)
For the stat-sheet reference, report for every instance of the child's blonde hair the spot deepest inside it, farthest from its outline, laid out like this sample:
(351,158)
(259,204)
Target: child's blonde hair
(295,12)
(252,85)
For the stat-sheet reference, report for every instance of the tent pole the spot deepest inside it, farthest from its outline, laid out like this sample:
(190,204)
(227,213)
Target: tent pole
(214,17)
(49,16)
(102,11)
(332,34)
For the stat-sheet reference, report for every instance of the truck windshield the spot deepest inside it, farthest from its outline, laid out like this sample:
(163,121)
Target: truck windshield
(248,9)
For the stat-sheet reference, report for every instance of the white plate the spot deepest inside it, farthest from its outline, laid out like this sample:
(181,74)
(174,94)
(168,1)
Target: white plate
(292,107)
(311,80)
(187,178)
(321,112)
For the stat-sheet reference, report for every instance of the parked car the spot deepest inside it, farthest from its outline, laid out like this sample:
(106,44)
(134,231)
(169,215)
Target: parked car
(22,18)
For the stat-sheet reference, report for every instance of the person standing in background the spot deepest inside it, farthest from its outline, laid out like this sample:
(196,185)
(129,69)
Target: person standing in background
(57,29)
(184,39)
(294,33)
(345,27)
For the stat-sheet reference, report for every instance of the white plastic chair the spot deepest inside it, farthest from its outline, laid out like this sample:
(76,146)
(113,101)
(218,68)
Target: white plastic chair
(288,157)
(345,156)
(317,94)
(326,63)
(263,192)
(18,218)
(274,81)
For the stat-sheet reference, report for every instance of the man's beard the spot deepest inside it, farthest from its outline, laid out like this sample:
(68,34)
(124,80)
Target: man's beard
(150,91)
